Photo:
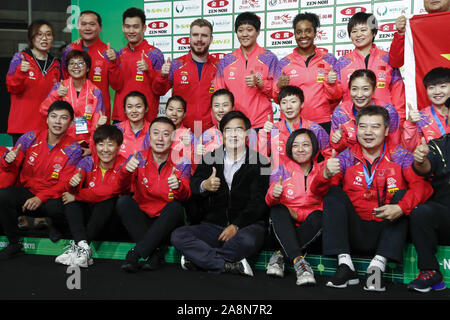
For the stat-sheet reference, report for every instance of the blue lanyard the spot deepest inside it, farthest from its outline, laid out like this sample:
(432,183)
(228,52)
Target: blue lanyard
(289,129)
(438,122)
(369,180)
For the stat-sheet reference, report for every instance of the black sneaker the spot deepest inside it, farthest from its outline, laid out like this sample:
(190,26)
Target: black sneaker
(427,280)
(342,277)
(241,267)
(186,264)
(154,262)
(11,251)
(131,262)
(371,285)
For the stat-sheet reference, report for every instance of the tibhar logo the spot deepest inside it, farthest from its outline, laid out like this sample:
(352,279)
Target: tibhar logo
(73,281)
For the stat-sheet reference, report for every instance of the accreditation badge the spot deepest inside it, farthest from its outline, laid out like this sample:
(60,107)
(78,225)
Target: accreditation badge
(170,196)
(55,175)
(81,126)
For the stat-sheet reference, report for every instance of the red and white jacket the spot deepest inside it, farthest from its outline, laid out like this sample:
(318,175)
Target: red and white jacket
(297,193)
(42,171)
(28,90)
(394,173)
(131,141)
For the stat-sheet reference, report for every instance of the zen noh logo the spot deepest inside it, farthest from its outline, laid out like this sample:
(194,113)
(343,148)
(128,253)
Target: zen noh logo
(157,24)
(183,41)
(217,4)
(352,10)
(388,27)
(281,35)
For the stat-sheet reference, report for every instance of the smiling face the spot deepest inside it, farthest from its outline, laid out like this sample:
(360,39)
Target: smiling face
(221,104)
(291,107)
(58,121)
(361,36)
(235,135)
(247,36)
(438,93)
(302,149)
(89,27)
(361,92)
(135,109)
(43,40)
(200,39)
(107,150)
(161,135)
(133,29)
(304,35)
(77,68)
(371,131)
(175,112)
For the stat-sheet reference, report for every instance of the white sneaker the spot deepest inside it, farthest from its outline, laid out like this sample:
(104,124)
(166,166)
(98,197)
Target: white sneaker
(247,269)
(83,257)
(275,267)
(67,257)
(305,274)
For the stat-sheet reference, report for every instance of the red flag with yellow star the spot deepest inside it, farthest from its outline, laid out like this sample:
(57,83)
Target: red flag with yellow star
(427,46)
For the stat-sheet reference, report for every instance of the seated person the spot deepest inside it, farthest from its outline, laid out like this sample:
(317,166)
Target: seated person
(155,209)
(362,86)
(92,193)
(431,122)
(296,213)
(135,128)
(273,140)
(44,162)
(231,182)
(85,98)
(367,214)
(430,222)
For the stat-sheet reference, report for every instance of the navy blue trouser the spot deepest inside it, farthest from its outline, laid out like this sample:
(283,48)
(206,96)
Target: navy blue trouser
(200,245)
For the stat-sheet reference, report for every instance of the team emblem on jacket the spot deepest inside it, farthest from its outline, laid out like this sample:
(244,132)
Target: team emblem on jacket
(91,184)
(57,167)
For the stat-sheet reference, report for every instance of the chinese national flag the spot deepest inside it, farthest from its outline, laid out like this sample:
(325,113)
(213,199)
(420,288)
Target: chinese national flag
(427,46)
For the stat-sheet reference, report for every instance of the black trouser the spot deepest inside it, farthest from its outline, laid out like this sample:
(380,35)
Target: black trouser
(149,233)
(429,226)
(344,231)
(294,239)
(11,201)
(97,215)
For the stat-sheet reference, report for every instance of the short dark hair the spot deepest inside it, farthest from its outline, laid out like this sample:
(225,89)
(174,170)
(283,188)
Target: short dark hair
(137,94)
(200,22)
(363,18)
(291,91)
(363,73)
(235,114)
(33,30)
(373,110)
(79,54)
(436,76)
(61,105)
(247,18)
(311,17)
(99,18)
(179,99)
(108,131)
(312,137)
(163,120)
(223,92)
(134,12)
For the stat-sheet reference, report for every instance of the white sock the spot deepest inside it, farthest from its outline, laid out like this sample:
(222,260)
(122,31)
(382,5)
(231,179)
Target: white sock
(83,244)
(347,259)
(378,261)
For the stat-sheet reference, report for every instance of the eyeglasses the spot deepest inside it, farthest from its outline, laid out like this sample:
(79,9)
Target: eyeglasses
(238,130)
(79,64)
(42,35)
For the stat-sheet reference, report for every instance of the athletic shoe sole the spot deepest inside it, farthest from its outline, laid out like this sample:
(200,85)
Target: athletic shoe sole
(350,282)
(247,269)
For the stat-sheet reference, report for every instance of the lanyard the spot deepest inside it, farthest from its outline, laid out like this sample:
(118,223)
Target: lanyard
(289,129)
(369,179)
(438,121)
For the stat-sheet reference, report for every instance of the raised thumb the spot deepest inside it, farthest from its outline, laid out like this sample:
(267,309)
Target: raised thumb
(214,172)
(424,142)
(108,46)
(280,180)
(333,153)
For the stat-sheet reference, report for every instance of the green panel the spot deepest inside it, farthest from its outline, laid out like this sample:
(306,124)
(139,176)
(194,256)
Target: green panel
(5,140)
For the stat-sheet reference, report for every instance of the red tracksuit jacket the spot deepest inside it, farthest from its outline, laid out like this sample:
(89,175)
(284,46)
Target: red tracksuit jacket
(393,173)
(28,90)
(94,187)
(7,178)
(183,77)
(42,171)
(103,73)
(131,141)
(133,79)
(151,189)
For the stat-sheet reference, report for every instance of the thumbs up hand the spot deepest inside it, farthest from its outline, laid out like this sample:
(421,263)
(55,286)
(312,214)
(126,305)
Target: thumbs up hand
(165,69)
(200,150)
(413,114)
(173,181)
(278,189)
(283,80)
(337,135)
(25,66)
(332,167)
(110,53)
(102,120)
(268,126)
(250,79)
(133,163)
(212,184)
(12,155)
(400,24)
(142,64)
(421,151)
(62,90)
(186,137)
(332,76)
(76,179)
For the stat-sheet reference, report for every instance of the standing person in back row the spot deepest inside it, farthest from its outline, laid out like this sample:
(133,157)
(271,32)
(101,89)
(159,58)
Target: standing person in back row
(105,70)
(248,72)
(191,76)
(140,63)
